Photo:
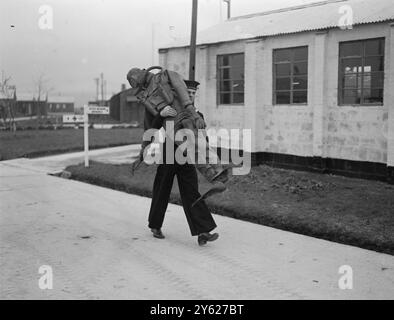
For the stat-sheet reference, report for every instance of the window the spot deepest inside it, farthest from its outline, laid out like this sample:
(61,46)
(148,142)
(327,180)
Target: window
(231,78)
(290,69)
(361,72)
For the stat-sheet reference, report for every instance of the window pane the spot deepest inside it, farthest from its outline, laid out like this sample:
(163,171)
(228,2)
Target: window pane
(300,83)
(351,96)
(300,68)
(225,86)
(231,78)
(237,61)
(367,80)
(225,73)
(225,98)
(300,54)
(373,80)
(282,97)
(374,47)
(283,69)
(350,49)
(373,96)
(352,81)
(300,96)
(237,73)
(282,55)
(238,98)
(293,62)
(238,86)
(283,83)
(373,64)
(351,65)
(223,60)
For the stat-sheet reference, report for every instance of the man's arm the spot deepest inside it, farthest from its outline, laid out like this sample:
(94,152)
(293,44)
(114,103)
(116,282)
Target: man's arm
(181,90)
(150,108)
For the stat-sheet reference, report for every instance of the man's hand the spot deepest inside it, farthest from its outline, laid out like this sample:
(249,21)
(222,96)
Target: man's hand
(168,112)
(200,123)
(198,120)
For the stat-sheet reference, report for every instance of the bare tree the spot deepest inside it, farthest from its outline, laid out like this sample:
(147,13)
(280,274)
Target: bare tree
(41,89)
(7,103)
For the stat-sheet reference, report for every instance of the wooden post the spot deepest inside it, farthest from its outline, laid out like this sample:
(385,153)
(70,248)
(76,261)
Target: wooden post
(193,37)
(228,8)
(86,134)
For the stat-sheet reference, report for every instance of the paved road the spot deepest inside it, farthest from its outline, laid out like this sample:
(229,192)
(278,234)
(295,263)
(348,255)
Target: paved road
(99,247)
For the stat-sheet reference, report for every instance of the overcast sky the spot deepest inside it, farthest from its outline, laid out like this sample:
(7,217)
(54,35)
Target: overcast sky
(94,36)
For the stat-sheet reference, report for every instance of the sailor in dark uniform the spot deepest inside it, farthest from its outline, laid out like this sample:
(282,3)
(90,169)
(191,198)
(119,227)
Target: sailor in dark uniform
(198,216)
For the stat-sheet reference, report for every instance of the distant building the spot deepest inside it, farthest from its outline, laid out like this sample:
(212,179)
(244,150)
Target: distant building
(28,104)
(316,92)
(60,104)
(125,108)
(100,101)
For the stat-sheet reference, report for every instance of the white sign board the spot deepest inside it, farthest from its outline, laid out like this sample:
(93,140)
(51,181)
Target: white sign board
(97,110)
(73,118)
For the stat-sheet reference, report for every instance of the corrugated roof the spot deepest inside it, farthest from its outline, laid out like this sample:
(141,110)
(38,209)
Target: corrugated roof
(315,16)
(28,96)
(60,99)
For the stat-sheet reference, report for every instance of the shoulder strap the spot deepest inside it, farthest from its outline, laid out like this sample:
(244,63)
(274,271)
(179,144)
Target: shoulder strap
(154,67)
(149,69)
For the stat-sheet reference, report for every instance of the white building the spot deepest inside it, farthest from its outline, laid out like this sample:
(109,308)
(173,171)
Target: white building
(316,95)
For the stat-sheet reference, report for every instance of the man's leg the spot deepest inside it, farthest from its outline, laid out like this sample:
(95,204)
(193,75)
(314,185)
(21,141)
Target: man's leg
(199,217)
(161,193)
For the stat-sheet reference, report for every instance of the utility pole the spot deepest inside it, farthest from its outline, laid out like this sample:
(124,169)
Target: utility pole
(228,8)
(193,37)
(105,92)
(102,89)
(153,44)
(97,88)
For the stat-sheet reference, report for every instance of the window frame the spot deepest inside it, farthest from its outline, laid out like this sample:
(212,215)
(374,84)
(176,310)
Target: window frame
(291,76)
(219,68)
(341,86)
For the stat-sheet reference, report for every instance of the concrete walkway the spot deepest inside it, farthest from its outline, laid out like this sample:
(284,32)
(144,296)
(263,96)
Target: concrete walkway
(56,163)
(97,243)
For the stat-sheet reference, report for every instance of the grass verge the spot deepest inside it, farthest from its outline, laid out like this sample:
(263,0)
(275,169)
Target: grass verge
(37,143)
(345,210)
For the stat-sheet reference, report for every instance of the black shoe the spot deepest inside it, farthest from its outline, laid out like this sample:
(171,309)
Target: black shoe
(157,233)
(217,187)
(203,238)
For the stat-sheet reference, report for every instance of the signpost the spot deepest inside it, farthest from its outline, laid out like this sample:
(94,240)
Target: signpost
(90,109)
(97,110)
(73,118)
